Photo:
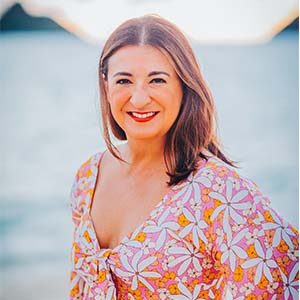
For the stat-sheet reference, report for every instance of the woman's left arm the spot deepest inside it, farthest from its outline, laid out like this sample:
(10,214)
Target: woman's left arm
(259,248)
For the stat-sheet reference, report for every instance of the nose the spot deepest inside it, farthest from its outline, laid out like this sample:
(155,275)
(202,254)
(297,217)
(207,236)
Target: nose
(140,97)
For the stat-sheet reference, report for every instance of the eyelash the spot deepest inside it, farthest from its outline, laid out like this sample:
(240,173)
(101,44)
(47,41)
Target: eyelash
(120,80)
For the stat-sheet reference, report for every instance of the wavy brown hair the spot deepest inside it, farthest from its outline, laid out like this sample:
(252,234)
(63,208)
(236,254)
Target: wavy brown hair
(195,126)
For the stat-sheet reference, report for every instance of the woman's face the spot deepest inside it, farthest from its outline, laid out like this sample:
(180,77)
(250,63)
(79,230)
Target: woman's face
(143,91)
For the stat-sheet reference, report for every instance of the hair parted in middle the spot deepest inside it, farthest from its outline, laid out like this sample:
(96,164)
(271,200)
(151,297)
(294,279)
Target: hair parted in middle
(195,126)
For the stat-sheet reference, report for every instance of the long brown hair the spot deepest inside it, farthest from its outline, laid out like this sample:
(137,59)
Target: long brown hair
(194,129)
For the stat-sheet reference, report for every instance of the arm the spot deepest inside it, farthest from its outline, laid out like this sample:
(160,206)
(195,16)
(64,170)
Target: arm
(259,248)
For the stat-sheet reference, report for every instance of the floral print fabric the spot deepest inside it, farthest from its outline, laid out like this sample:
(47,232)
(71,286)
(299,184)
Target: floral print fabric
(211,232)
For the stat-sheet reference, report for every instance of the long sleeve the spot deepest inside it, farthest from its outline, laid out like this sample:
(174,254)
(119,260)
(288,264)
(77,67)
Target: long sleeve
(80,192)
(257,249)
(74,201)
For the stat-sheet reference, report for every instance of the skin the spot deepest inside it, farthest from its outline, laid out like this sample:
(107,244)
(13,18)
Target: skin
(139,92)
(121,204)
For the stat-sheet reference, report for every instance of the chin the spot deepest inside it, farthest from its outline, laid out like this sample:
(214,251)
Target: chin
(142,135)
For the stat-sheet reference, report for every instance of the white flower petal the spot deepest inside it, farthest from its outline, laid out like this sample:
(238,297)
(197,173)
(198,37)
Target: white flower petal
(239,251)
(146,283)
(161,239)
(171,225)
(178,250)
(276,237)
(184,266)
(135,259)
(258,273)
(184,290)
(217,196)
(197,264)
(124,261)
(239,236)
(186,230)
(177,261)
(251,263)
(294,272)
(267,273)
(188,215)
(239,196)
(229,190)
(217,211)
(224,256)
(145,263)
(134,283)
(259,248)
(232,260)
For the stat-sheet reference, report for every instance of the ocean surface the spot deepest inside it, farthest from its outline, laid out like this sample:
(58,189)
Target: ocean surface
(50,125)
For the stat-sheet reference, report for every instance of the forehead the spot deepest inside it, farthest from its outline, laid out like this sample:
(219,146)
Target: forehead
(141,57)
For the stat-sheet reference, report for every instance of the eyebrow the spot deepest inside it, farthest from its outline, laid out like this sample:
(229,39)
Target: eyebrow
(150,74)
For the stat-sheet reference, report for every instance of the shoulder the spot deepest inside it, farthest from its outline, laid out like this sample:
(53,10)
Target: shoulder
(84,177)
(89,165)
(219,181)
(83,184)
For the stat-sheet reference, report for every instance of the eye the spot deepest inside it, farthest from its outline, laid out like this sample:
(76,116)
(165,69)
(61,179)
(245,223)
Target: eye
(123,81)
(158,80)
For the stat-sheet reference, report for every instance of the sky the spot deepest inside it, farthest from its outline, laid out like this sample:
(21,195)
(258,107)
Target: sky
(208,21)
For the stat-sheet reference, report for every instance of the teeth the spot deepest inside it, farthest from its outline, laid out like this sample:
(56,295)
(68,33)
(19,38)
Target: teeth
(143,116)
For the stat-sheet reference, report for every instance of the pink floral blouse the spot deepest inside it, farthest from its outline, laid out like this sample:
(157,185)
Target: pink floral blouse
(211,232)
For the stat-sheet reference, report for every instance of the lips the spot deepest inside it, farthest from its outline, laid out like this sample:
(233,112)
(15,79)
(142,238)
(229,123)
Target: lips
(142,116)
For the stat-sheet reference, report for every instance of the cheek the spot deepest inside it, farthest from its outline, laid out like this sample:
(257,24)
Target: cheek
(118,97)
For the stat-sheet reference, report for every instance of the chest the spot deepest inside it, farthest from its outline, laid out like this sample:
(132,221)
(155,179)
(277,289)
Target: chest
(120,206)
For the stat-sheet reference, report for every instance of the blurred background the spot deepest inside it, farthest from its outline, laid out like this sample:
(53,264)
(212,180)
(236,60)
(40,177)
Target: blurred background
(50,125)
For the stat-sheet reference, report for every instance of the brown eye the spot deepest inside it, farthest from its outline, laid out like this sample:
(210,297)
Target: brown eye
(158,80)
(123,81)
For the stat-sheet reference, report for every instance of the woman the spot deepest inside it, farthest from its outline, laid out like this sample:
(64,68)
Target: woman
(165,215)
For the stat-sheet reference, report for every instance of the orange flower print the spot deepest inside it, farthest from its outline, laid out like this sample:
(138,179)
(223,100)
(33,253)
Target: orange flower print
(263,283)
(173,289)
(251,251)
(205,197)
(264,296)
(250,297)
(282,247)
(222,171)
(87,236)
(203,295)
(268,216)
(207,214)
(238,273)
(182,220)
(101,276)
(208,276)
(170,275)
(141,236)
(152,296)
(276,275)
(251,273)
(283,262)
(269,235)
(202,246)
(161,282)
(74,291)
(217,202)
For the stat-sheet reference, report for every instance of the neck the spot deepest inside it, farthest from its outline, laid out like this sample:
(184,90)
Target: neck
(142,156)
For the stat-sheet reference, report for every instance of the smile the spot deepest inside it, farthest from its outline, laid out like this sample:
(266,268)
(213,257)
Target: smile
(143,117)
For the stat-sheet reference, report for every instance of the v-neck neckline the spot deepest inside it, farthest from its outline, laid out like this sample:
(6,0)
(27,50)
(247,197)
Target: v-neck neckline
(128,236)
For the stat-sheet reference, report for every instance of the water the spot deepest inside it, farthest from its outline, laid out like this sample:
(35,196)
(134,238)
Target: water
(50,125)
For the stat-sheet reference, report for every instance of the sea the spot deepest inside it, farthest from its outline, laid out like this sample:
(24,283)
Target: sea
(50,124)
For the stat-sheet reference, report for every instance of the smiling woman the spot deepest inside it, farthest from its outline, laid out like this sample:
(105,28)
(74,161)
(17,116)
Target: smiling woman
(165,215)
(139,94)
